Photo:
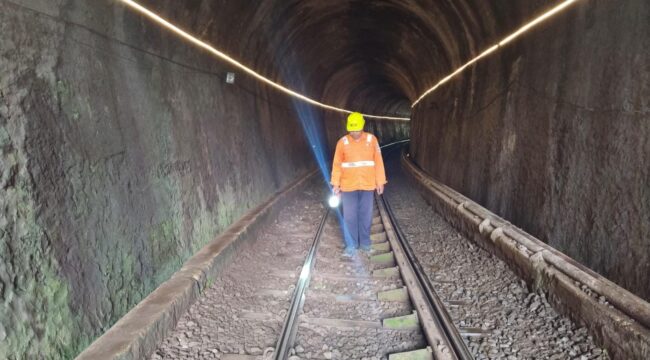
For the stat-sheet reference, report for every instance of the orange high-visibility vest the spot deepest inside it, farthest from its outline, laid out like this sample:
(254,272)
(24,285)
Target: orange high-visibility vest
(358,164)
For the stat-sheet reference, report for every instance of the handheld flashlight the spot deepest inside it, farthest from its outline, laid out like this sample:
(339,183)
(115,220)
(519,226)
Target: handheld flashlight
(334,201)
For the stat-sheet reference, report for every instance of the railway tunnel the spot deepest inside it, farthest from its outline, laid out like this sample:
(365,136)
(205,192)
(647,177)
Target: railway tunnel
(126,149)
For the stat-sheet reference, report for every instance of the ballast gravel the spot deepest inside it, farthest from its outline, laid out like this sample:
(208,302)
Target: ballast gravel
(241,314)
(353,343)
(343,293)
(480,291)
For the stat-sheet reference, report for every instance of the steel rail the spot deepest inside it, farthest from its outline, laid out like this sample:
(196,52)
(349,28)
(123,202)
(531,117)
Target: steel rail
(288,334)
(289,328)
(444,338)
(442,319)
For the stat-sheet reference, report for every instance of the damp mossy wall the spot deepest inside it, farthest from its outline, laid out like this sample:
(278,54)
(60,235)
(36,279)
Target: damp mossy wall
(122,152)
(551,132)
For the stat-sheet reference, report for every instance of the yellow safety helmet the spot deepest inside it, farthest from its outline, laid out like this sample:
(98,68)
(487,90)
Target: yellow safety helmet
(355,122)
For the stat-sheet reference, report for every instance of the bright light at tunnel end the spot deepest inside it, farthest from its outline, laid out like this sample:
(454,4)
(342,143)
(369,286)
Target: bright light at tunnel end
(221,55)
(554,11)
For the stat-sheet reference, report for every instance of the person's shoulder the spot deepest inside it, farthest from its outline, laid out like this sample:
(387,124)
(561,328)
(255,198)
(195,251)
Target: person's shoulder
(373,140)
(343,140)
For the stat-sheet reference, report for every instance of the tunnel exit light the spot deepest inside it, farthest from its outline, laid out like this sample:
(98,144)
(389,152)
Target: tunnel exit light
(221,55)
(554,11)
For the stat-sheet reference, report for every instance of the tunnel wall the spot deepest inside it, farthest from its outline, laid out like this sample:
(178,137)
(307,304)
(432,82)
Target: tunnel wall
(553,134)
(122,152)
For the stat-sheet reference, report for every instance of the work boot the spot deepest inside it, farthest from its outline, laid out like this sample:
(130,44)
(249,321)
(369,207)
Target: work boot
(349,252)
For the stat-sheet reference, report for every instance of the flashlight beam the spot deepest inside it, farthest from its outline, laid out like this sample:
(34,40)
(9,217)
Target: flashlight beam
(554,11)
(221,55)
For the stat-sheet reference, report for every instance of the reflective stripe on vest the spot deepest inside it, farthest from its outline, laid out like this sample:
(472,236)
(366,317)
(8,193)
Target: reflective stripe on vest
(357,164)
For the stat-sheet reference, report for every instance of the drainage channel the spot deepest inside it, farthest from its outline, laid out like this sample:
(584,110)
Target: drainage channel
(376,305)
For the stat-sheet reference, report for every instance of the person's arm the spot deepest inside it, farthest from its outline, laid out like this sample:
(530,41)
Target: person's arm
(380,173)
(336,168)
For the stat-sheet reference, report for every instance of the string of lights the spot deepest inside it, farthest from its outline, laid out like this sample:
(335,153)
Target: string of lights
(554,11)
(185,35)
(223,56)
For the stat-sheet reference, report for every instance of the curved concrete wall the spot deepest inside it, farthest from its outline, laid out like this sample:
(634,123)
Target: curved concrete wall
(552,134)
(122,152)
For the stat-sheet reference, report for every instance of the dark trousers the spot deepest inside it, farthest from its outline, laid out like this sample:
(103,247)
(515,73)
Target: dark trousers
(357,213)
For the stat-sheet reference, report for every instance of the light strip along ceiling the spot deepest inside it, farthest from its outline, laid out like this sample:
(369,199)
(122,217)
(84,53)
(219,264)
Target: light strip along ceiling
(221,55)
(554,11)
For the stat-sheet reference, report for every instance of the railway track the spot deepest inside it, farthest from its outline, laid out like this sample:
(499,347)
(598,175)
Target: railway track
(292,295)
(376,305)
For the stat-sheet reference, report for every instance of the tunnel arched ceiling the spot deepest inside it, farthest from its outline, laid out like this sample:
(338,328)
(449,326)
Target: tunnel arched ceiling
(520,103)
(124,150)
(372,56)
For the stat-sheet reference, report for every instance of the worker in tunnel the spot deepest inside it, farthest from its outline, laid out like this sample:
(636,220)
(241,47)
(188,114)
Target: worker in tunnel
(357,171)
